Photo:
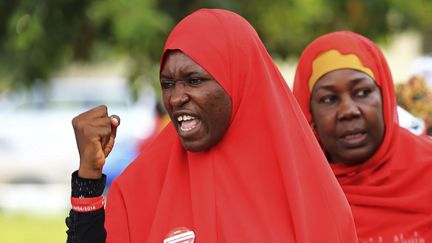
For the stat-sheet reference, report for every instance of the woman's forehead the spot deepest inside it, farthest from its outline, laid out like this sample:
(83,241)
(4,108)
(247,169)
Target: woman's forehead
(340,78)
(177,61)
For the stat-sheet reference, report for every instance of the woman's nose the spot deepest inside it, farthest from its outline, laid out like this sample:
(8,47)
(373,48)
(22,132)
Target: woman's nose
(179,95)
(348,109)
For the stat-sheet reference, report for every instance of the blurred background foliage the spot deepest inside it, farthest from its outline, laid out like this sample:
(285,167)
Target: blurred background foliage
(416,97)
(38,37)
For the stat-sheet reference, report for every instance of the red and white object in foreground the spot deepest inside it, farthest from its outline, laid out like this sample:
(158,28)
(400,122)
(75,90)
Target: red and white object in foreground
(180,235)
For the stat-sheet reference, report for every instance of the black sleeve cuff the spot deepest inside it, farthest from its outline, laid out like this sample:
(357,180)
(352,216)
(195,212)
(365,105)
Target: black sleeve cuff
(86,227)
(87,187)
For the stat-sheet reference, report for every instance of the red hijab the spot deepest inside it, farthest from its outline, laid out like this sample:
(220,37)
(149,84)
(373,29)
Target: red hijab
(267,179)
(390,194)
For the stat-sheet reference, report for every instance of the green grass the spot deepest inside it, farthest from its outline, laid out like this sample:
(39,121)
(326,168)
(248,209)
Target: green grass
(35,228)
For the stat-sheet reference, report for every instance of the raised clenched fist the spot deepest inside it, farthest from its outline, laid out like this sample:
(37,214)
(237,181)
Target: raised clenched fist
(95,134)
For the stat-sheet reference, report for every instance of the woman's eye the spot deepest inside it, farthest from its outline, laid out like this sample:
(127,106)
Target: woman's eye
(363,93)
(194,81)
(327,99)
(166,84)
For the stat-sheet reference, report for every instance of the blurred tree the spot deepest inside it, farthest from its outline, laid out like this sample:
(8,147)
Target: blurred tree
(416,15)
(37,37)
(134,29)
(288,26)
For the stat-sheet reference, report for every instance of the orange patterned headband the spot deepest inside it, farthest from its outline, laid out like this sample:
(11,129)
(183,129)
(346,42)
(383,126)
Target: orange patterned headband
(332,60)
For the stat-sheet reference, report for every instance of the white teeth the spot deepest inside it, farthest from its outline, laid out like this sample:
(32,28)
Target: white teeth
(186,129)
(185,118)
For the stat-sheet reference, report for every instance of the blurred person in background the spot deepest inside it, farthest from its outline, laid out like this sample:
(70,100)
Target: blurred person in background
(416,97)
(345,89)
(208,175)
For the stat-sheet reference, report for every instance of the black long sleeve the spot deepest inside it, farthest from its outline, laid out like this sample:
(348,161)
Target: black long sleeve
(86,227)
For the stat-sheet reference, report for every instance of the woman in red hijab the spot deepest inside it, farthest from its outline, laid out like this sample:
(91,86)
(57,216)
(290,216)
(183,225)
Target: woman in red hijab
(238,162)
(345,89)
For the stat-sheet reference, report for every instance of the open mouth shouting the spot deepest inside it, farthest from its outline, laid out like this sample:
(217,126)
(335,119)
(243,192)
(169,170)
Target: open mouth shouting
(187,125)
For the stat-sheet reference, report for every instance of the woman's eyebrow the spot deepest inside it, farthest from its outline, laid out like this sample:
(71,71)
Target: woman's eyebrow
(330,87)
(324,87)
(164,76)
(359,79)
(192,73)
(183,75)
